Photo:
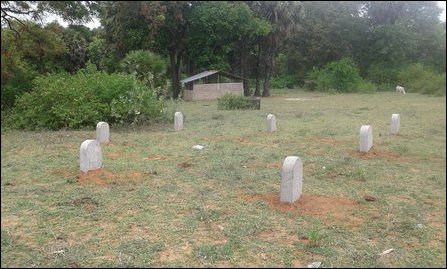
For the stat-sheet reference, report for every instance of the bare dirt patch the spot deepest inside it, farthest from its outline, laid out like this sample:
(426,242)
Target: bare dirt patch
(328,209)
(155,158)
(104,178)
(379,153)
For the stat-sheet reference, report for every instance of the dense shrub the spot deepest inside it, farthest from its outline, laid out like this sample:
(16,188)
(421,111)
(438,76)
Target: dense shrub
(419,78)
(16,80)
(102,55)
(381,73)
(233,102)
(339,76)
(16,73)
(366,87)
(72,101)
(136,105)
(148,67)
(283,82)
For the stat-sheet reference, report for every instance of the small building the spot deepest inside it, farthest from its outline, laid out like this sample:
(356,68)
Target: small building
(211,84)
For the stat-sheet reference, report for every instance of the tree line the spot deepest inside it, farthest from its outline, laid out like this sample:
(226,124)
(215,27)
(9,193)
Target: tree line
(268,42)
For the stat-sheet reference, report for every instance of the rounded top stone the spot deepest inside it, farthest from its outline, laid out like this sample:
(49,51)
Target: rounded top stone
(365,129)
(270,116)
(102,124)
(178,113)
(289,163)
(88,143)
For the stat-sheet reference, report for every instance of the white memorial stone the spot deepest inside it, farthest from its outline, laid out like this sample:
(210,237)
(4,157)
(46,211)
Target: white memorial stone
(366,138)
(102,132)
(271,123)
(395,124)
(291,180)
(178,121)
(90,156)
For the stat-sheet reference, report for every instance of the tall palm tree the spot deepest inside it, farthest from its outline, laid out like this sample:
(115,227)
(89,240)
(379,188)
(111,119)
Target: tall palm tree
(285,17)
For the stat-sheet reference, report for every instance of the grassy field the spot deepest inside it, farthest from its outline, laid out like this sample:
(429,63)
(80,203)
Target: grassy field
(158,203)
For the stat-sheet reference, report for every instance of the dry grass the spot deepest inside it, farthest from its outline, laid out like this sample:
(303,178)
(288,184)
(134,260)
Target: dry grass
(158,203)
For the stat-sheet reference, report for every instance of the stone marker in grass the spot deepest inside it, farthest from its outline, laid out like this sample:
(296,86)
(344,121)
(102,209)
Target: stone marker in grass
(271,123)
(90,156)
(395,124)
(366,138)
(178,121)
(291,179)
(102,132)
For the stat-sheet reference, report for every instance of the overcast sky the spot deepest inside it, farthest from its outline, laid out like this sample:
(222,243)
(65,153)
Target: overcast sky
(442,5)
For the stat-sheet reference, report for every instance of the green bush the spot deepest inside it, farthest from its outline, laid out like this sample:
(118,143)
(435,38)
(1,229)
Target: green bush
(20,83)
(148,67)
(340,76)
(386,87)
(233,102)
(283,82)
(136,105)
(102,55)
(419,78)
(16,74)
(382,74)
(73,101)
(366,87)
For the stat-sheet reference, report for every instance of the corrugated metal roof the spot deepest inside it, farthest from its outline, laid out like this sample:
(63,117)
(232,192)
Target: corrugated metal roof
(198,76)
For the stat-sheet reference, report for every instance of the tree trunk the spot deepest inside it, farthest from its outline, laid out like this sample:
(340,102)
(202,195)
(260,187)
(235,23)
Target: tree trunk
(268,70)
(174,59)
(242,70)
(257,90)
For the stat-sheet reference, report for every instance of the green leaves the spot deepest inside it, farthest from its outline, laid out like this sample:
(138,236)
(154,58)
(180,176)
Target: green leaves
(73,101)
(340,76)
(216,30)
(233,102)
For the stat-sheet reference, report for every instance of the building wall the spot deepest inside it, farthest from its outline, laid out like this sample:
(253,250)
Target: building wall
(212,91)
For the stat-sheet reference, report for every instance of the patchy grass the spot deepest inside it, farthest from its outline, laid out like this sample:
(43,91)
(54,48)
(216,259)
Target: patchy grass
(158,203)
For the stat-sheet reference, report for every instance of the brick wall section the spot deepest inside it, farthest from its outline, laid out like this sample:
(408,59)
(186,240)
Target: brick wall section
(212,91)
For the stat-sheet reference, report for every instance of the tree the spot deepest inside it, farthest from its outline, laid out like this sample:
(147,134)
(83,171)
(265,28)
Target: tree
(172,37)
(41,47)
(76,39)
(384,12)
(285,17)
(148,67)
(20,11)
(330,31)
(16,74)
(405,32)
(220,32)
(127,25)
